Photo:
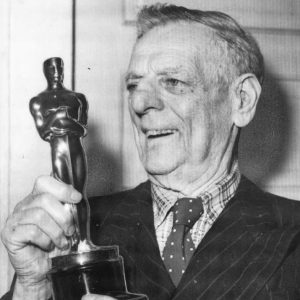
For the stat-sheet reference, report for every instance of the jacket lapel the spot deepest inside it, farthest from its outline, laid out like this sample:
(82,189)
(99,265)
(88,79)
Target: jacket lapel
(148,260)
(131,226)
(242,250)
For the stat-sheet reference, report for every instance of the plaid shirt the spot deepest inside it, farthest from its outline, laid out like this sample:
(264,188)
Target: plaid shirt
(214,197)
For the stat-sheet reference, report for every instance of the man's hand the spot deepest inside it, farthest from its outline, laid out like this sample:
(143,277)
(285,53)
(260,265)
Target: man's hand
(96,297)
(39,225)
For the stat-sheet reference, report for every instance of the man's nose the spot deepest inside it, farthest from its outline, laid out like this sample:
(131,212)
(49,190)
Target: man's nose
(145,98)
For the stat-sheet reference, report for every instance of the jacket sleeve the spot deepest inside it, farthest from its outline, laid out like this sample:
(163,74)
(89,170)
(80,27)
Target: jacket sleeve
(9,295)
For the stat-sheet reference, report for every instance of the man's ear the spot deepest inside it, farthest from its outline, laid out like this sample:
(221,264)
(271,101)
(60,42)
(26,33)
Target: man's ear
(245,92)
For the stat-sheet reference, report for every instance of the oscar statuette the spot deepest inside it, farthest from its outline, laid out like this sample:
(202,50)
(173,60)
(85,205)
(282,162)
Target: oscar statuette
(60,116)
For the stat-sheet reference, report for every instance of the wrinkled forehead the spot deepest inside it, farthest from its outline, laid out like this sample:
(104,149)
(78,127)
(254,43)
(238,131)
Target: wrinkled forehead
(174,43)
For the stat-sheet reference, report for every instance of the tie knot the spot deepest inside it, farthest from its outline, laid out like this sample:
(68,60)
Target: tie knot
(187,211)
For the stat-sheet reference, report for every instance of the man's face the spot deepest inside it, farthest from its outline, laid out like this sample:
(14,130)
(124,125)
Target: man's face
(181,127)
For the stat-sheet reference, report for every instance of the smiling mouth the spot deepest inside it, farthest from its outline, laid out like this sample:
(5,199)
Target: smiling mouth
(152,134)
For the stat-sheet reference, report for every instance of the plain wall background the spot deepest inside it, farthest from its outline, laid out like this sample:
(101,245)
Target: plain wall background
(31,31)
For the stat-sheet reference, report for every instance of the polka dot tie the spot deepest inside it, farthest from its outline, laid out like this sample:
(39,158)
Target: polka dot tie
(179,247)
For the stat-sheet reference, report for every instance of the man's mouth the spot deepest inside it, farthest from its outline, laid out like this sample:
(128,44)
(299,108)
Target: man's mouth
(152,134)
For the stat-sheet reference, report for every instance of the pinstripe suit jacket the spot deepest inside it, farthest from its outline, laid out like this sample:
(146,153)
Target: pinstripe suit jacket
(251,252)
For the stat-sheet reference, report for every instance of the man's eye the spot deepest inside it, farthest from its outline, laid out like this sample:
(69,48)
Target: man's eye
(174,86)
(131,87)
(172,82)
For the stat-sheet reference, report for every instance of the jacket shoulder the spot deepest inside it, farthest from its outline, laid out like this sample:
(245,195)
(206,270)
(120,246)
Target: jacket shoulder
(116,198)
(102,206)
(284,210)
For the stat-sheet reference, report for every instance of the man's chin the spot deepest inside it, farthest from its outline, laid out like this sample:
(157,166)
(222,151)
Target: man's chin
(156,168)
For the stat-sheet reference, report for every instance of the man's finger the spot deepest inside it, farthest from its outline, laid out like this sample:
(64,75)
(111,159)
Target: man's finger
(43,222)
(57,210)
(17,237)
(97,297)
(63,192)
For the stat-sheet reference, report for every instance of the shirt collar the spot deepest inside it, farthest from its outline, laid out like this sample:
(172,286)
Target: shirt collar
(214,196)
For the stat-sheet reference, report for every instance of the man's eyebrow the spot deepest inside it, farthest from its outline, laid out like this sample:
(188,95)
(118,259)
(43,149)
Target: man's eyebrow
(170,70)
(129,76)
(164,71)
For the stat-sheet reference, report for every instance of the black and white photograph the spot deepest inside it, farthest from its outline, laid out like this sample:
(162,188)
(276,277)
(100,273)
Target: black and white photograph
(150,149)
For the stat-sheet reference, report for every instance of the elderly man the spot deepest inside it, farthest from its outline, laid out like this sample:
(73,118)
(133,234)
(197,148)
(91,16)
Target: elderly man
(197,229)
